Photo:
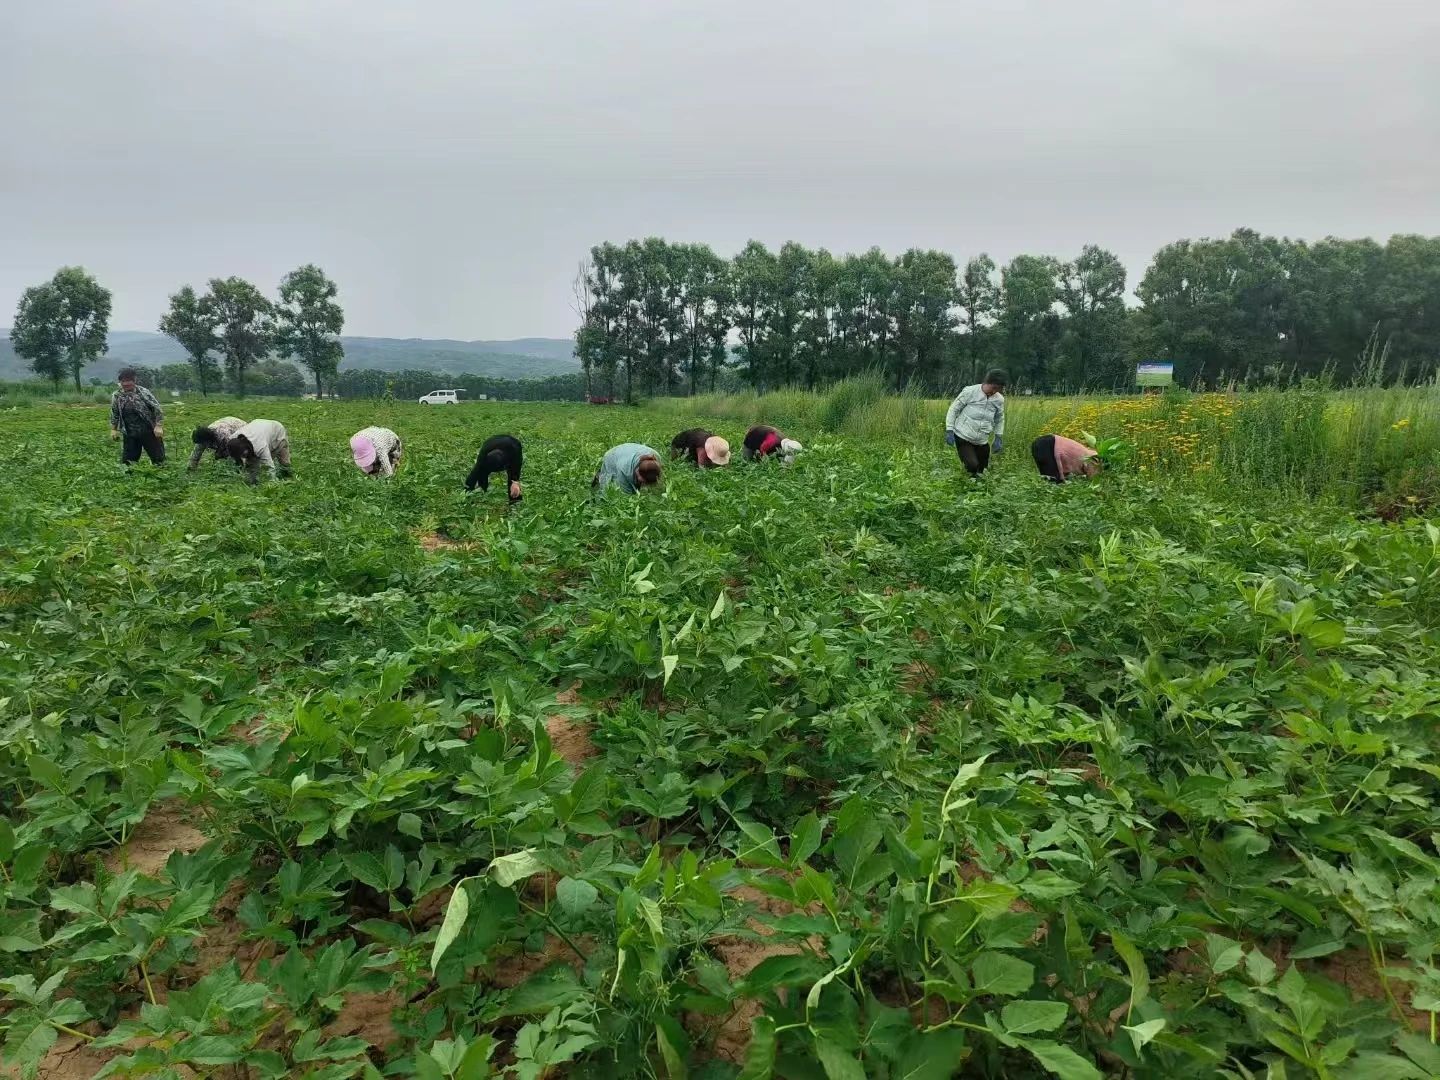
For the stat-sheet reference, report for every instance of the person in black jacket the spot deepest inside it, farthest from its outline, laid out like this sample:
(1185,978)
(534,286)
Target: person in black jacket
(704,448)
(501,453)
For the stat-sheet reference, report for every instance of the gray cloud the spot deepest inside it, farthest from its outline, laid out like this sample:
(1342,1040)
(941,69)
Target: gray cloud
(448,161)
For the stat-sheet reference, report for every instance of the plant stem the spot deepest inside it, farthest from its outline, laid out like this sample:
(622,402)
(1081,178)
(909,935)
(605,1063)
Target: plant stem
(558,932)
(149,990)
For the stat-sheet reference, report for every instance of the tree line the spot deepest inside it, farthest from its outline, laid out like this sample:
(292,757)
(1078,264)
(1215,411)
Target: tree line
(277,378)
(62,325)
(663,318)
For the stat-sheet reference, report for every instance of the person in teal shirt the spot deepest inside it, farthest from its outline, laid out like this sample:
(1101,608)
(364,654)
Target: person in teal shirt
(629,467)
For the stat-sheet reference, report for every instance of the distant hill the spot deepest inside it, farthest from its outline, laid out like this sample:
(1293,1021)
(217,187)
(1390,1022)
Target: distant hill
(523,358)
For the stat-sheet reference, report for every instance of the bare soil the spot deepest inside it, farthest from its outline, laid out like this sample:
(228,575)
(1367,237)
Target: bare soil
(511,971)
(434,541)
(740,955)
(571,739)
(166,828)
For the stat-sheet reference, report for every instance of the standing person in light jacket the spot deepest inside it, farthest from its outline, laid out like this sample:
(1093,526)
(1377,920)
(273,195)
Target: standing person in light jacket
(629,467)
(261,442)
(136,416)
(976,416)
(376,451)
(214,437)
(499,453)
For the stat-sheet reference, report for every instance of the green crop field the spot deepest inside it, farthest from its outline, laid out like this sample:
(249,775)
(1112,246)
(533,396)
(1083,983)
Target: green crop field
(850,769)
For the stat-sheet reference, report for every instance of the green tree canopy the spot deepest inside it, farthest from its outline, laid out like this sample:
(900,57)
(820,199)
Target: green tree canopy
(191,322)
(244,320)
(61,326)
(309,321)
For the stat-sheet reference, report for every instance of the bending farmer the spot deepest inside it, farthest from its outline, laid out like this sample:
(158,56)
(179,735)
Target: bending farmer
(261,442)
(704,448)
(1059,458)
(376,451)
(214,437)
(499,453)
(629,467)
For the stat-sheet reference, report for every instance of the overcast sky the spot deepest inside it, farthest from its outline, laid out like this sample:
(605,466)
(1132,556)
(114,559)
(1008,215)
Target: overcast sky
(447,162)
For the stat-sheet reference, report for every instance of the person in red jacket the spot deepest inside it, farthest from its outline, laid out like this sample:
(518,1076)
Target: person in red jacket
(762,441)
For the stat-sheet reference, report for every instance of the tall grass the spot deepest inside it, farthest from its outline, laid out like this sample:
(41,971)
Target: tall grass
(22,394)
(1371,446)
(32,392)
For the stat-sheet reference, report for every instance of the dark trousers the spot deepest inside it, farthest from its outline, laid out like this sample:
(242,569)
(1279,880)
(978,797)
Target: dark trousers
(974,456)
(1043,451)
(151,443)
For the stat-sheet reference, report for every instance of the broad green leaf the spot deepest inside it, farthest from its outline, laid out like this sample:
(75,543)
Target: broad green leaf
(1028,1017)
(1141,1034)
(1135,965)
(517,866)
(760,847)
(805,840)
(760,1054)
(366,867)
(1000,973)
(669,662)
(1259,967)
(456,913)
(46,772)
(1375,1066)
(1421,1051)
(1224,954)
(674,1045)
(409,825)
(934,1055)
(552,988)
(989,898)
(28,1047)
(575,895)
(650,911)
(1061,1060)
(839,1064)
(719,608)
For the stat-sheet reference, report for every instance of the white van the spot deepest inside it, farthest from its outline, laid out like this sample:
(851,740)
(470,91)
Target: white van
(441,397)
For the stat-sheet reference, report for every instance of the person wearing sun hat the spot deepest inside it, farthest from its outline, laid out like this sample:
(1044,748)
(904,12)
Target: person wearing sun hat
(706,449)
(376,451)
(976,417)
(761,441)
